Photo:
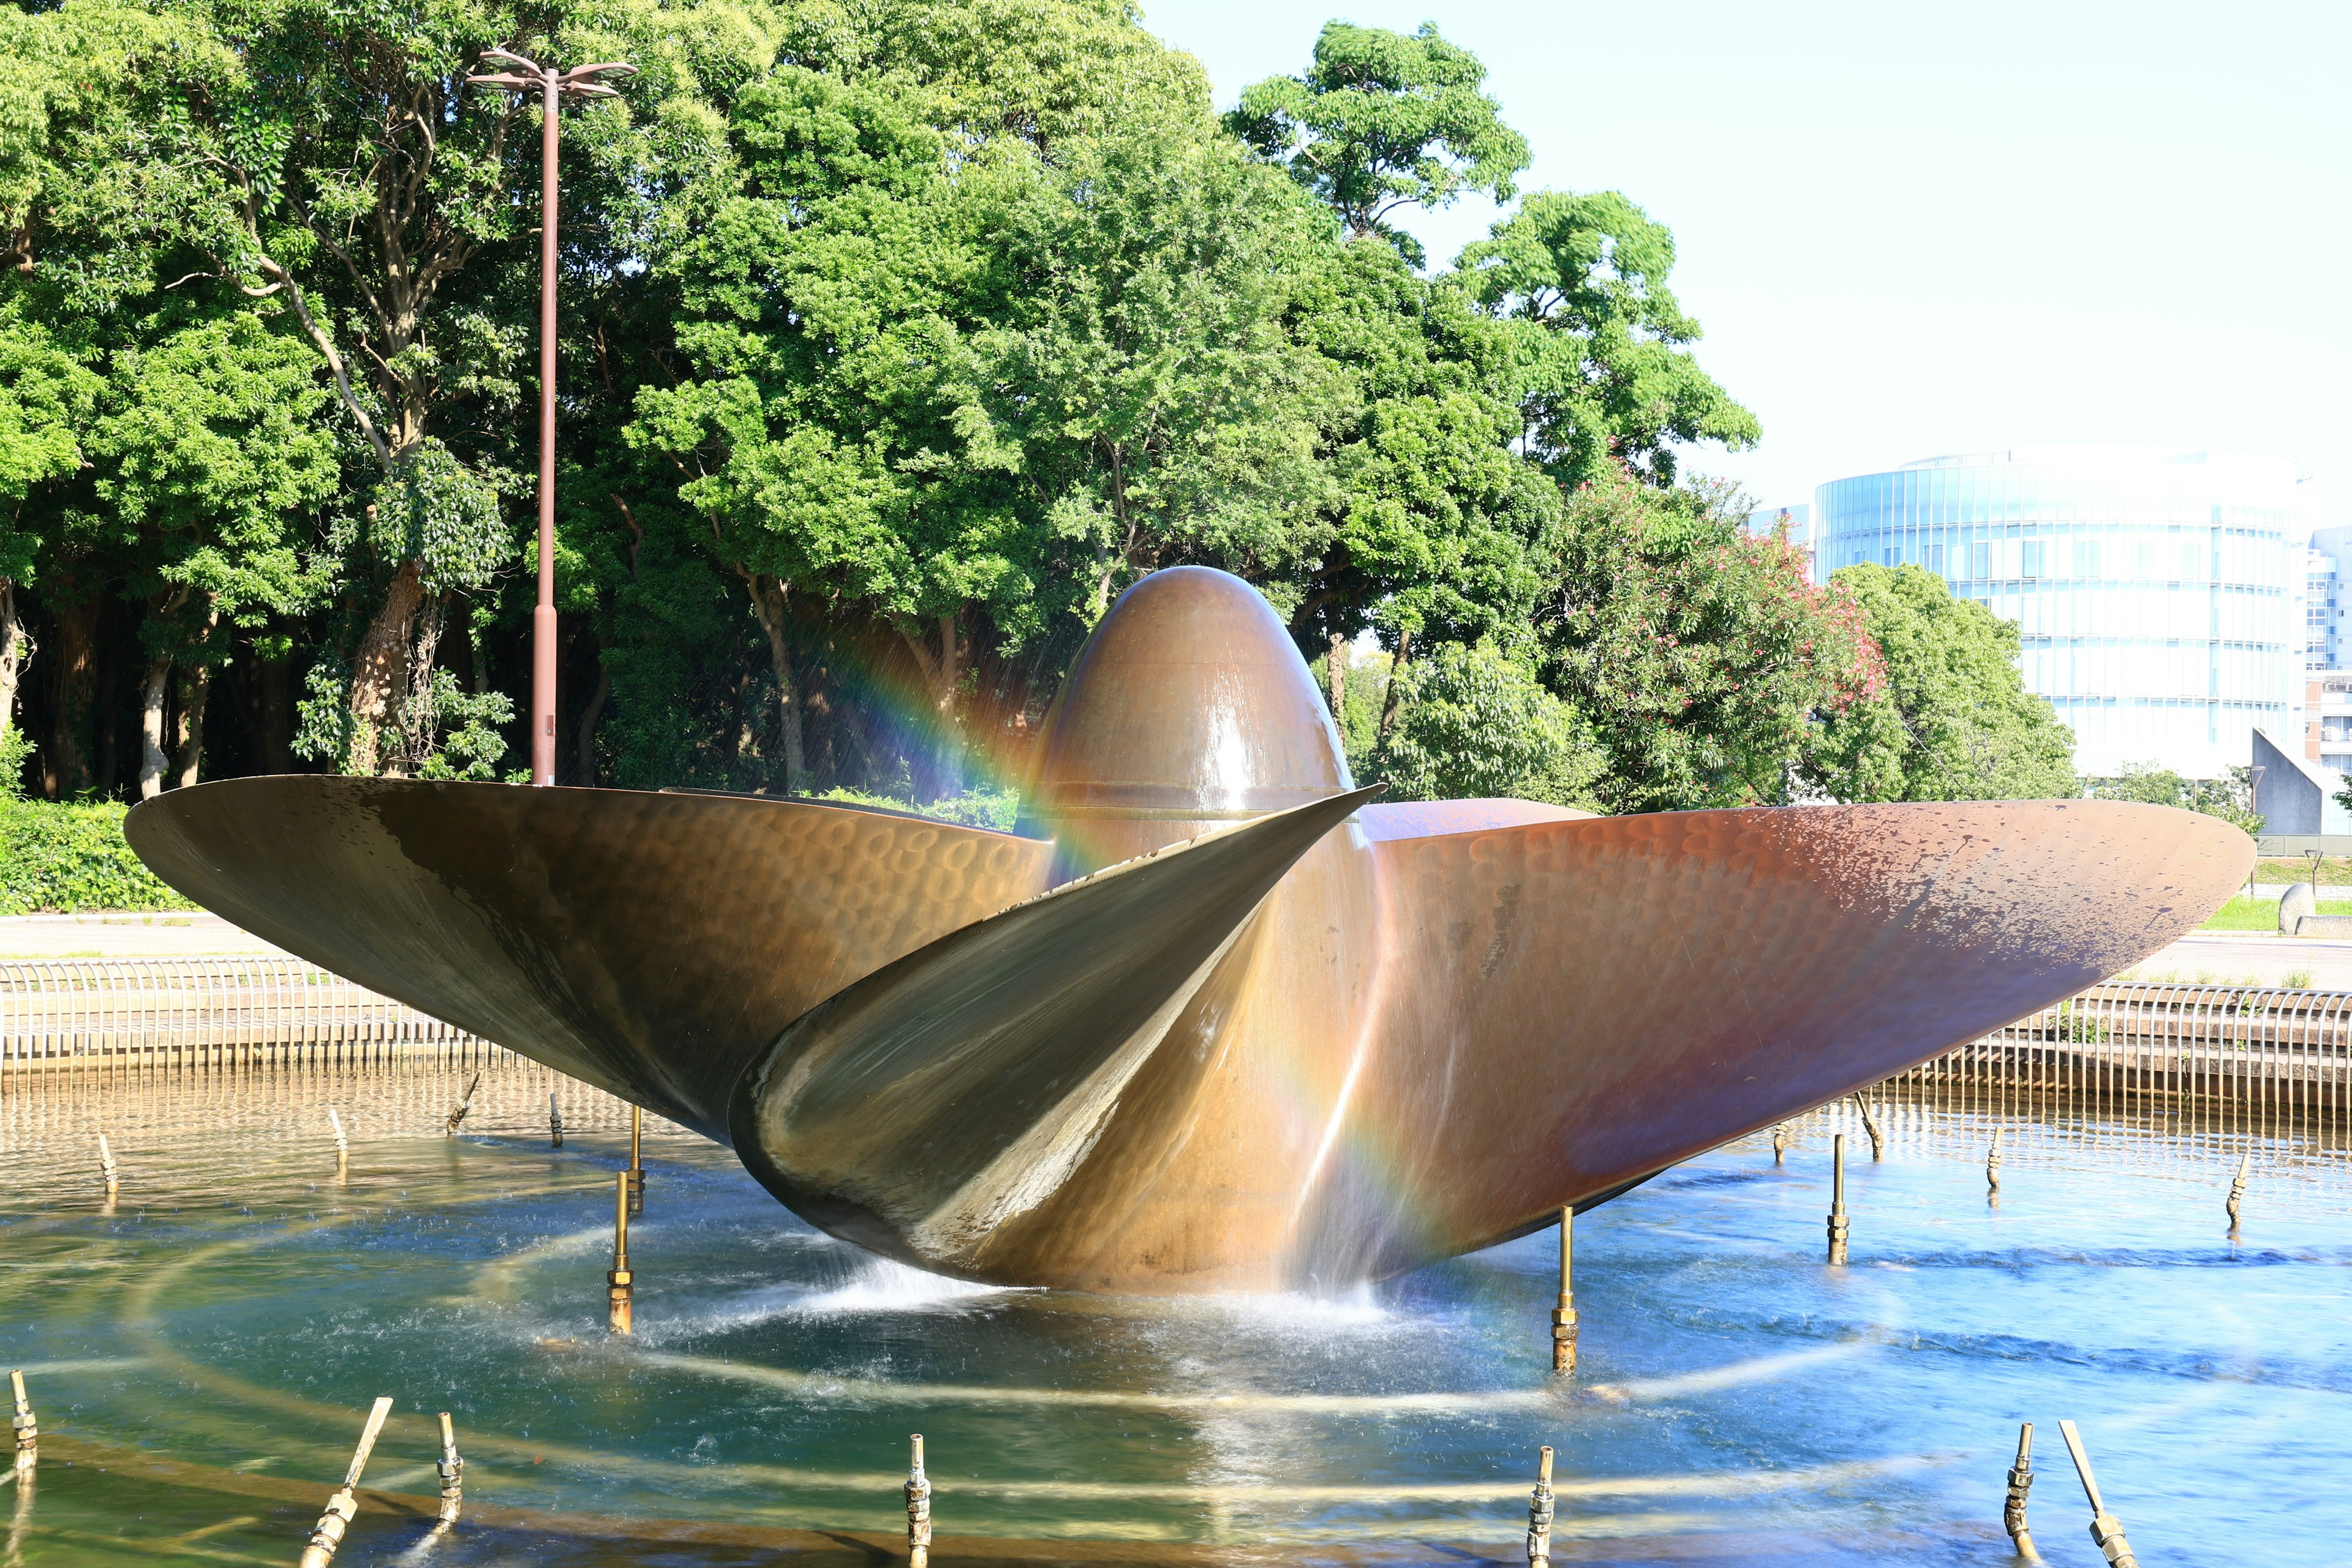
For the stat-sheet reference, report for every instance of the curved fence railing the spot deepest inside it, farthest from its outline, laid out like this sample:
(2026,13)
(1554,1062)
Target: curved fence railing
(2287,1048)
(205,1011)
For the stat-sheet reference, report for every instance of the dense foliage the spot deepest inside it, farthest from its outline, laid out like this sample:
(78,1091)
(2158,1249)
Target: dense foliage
(1951,718)
(898,339)
(2231,798)
(56,856)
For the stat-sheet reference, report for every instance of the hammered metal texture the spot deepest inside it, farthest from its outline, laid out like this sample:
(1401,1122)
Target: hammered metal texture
(646,943)
(1444,1021)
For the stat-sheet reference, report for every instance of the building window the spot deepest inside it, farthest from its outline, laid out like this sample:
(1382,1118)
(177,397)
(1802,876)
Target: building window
(2086,558)
(1981,559)
(2032,558)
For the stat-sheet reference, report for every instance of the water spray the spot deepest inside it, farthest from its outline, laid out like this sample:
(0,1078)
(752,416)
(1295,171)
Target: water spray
(2020,1481)
(554,1123)
(343,1144)
(2238,1189)
(328,1532)
(1992,1169)
(1780,1143)
(29,1430)
(1564,1317)
(2106,1530)
(620,1285)
(918,1507)
(114,1177)
(1837,1199)
(1540,1513)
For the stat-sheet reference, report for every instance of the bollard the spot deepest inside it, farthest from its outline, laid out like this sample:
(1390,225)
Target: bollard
(554,1123)
(637,1165)
(2020,1481)
(457,1117)
(1780,1142)
(453,1473)
(28,1431)
(2106,1530)
(1870,1125)
(2238,1190)
(1540,1512)
(1837,1199)
(1564,1317)
(329,1534)
(918,1508)
(106,1164)
(1993,1166)
(620,1285)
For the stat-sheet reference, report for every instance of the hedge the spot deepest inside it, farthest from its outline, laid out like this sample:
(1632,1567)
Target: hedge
(59,858)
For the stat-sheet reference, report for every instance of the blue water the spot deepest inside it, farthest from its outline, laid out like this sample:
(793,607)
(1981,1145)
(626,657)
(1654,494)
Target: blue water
(240,1306)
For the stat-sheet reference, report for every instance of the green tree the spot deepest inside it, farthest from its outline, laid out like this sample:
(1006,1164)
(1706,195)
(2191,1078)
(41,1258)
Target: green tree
(1382,122)
(214,453)
(969,399)
(1436,527)
(1698,652)
(1952,721)
(1472,722)
(46,399)
(1609,376)
(2230,797)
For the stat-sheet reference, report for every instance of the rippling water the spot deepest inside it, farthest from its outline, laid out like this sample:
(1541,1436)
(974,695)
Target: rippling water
(1737,1402)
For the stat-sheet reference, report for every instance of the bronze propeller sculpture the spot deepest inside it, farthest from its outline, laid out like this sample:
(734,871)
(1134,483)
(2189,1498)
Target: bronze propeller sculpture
(1210,1019)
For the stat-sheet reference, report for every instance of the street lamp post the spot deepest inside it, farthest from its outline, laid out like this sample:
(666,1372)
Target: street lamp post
(578,82)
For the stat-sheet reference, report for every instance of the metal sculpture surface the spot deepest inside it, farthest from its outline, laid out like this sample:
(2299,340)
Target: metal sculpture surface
(1210,1019)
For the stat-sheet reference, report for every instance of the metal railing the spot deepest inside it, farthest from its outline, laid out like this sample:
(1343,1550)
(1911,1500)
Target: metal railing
(2271,1045)
(2285,1053)
(205,1011)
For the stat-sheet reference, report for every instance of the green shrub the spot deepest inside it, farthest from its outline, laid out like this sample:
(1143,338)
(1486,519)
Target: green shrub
(61,858)
(973,808)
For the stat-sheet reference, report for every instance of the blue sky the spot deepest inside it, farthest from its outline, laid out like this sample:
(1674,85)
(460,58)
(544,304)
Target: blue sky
(1909,231)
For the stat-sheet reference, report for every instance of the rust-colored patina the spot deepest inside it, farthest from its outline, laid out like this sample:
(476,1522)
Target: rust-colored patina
(1210,1020)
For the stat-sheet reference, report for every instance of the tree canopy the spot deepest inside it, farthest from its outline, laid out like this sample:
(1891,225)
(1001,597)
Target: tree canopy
(896,341)
(1952,719)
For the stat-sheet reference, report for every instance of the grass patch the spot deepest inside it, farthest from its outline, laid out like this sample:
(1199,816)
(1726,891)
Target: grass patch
(2335,872)
(2242,913)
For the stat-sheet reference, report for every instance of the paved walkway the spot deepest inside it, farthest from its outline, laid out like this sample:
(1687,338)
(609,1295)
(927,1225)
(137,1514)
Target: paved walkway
(2252,958)
(177,935)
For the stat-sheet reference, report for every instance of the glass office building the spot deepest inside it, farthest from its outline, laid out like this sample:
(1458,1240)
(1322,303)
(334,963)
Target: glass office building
(2159,592)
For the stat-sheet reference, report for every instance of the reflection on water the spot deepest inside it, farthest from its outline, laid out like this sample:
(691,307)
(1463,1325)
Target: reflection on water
(241,1304)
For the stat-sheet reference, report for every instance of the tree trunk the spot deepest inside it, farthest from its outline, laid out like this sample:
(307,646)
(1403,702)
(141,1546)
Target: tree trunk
(768,595)
(196,691)
(380,673)
(1339,683)
(152,760)
(1396,682)
(109,712)
(15,652)
(72,664)
(588,718)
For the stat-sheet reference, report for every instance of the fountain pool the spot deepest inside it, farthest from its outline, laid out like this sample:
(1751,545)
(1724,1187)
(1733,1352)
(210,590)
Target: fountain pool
(201,1354)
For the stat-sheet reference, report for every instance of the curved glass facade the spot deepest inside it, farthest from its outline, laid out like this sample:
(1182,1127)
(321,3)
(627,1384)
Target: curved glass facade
(2158,592)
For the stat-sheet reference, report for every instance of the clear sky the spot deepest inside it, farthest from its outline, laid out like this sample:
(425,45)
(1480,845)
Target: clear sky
(1910,230)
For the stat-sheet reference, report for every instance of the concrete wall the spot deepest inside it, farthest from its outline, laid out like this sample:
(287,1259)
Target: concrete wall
(2291,794)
